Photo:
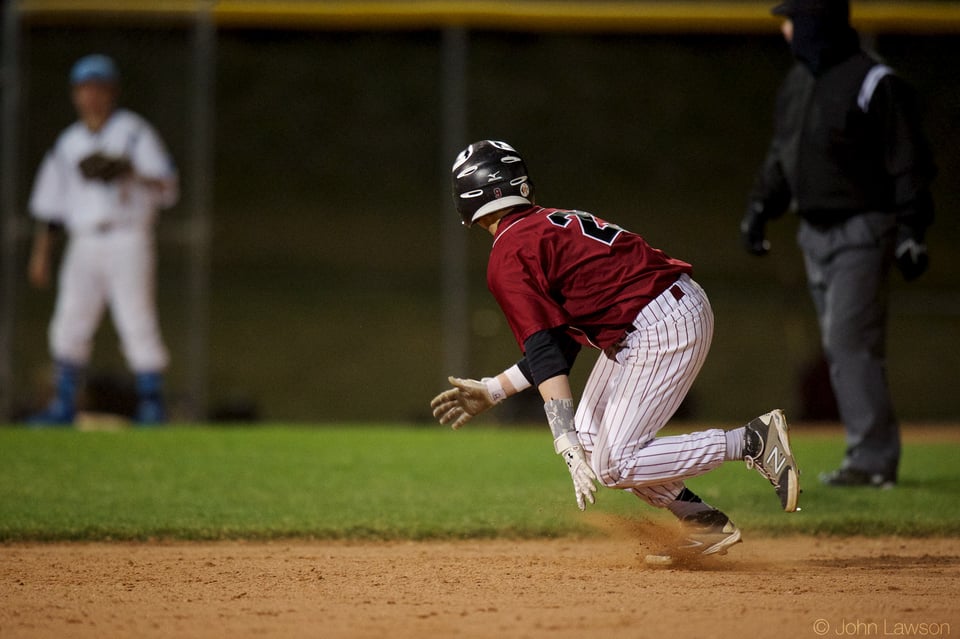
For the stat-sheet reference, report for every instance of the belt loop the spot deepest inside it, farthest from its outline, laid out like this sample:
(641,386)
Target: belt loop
(677,292)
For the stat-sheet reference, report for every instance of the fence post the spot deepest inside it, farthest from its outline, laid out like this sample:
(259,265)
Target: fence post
(9,229)
(198,236)
(456,333)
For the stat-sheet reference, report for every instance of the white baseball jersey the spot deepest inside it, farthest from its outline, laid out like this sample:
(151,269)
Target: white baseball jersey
(110,258)
(62,194)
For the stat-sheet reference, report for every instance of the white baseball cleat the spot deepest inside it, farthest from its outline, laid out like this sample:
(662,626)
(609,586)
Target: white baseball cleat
(767,450)
(705,533)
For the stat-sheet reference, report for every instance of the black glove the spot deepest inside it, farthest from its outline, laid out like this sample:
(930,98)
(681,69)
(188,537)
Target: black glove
(99,166)
(753,231)
(911,253)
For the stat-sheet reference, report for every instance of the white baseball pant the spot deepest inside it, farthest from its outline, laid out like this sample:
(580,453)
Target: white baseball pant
(115,267)
(628,399)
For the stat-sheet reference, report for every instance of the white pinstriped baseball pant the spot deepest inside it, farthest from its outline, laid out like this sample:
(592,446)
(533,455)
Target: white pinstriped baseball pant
(627,401)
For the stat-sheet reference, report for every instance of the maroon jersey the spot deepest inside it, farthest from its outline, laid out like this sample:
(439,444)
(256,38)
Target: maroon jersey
(553,267)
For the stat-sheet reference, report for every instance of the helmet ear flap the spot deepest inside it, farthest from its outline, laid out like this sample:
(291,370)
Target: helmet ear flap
(488,176)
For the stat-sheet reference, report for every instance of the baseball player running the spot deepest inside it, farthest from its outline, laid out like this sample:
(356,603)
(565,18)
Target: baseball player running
(102,181)
(567,279)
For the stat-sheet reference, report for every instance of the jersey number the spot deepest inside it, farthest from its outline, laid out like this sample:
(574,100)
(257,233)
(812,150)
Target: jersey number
(589,225)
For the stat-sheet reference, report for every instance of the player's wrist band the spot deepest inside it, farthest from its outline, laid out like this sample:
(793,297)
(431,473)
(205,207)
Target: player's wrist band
(517,378)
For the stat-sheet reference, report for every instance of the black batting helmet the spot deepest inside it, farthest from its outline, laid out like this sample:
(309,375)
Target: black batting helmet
(489,176)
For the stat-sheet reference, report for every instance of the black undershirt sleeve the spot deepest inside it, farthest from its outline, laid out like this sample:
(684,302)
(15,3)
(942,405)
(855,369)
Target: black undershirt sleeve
(548,353)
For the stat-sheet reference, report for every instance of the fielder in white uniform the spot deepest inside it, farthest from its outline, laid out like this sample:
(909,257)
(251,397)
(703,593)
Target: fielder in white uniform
(566,279)
(102,183)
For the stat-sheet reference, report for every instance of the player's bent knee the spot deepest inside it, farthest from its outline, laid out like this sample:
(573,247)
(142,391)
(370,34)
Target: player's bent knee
(608,472)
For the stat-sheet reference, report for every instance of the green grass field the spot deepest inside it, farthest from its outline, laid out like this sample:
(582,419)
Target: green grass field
(402,482)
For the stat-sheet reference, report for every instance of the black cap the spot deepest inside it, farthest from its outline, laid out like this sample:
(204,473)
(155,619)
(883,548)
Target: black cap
(818,8)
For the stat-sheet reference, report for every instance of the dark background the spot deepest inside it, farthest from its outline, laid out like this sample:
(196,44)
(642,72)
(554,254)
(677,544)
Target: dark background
(330,190)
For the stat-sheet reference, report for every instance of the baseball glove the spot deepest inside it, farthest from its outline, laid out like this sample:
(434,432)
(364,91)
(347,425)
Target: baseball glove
(99,166)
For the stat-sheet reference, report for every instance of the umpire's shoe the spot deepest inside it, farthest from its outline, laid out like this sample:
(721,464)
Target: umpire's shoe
(767,449)
(846,477)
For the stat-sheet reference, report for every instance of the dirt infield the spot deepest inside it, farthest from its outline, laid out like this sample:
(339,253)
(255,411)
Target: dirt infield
(782,587)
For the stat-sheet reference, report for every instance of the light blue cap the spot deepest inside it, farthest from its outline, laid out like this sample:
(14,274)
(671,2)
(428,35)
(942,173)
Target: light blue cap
(95,67)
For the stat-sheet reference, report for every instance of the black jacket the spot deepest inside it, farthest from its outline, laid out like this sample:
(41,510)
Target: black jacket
(846,141)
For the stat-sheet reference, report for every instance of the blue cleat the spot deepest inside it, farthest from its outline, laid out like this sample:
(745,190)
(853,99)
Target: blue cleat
(61,410)
(150,409)
(56,415)
(150,412)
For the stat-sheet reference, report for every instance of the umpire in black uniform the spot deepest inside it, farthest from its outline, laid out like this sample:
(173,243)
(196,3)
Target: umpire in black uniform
(849,157)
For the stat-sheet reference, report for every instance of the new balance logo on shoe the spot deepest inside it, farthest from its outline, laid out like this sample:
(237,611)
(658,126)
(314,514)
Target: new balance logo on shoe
(767,450)
(775,460)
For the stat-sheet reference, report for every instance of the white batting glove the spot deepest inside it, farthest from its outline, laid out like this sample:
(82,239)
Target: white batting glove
(467,399)
(567,445)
